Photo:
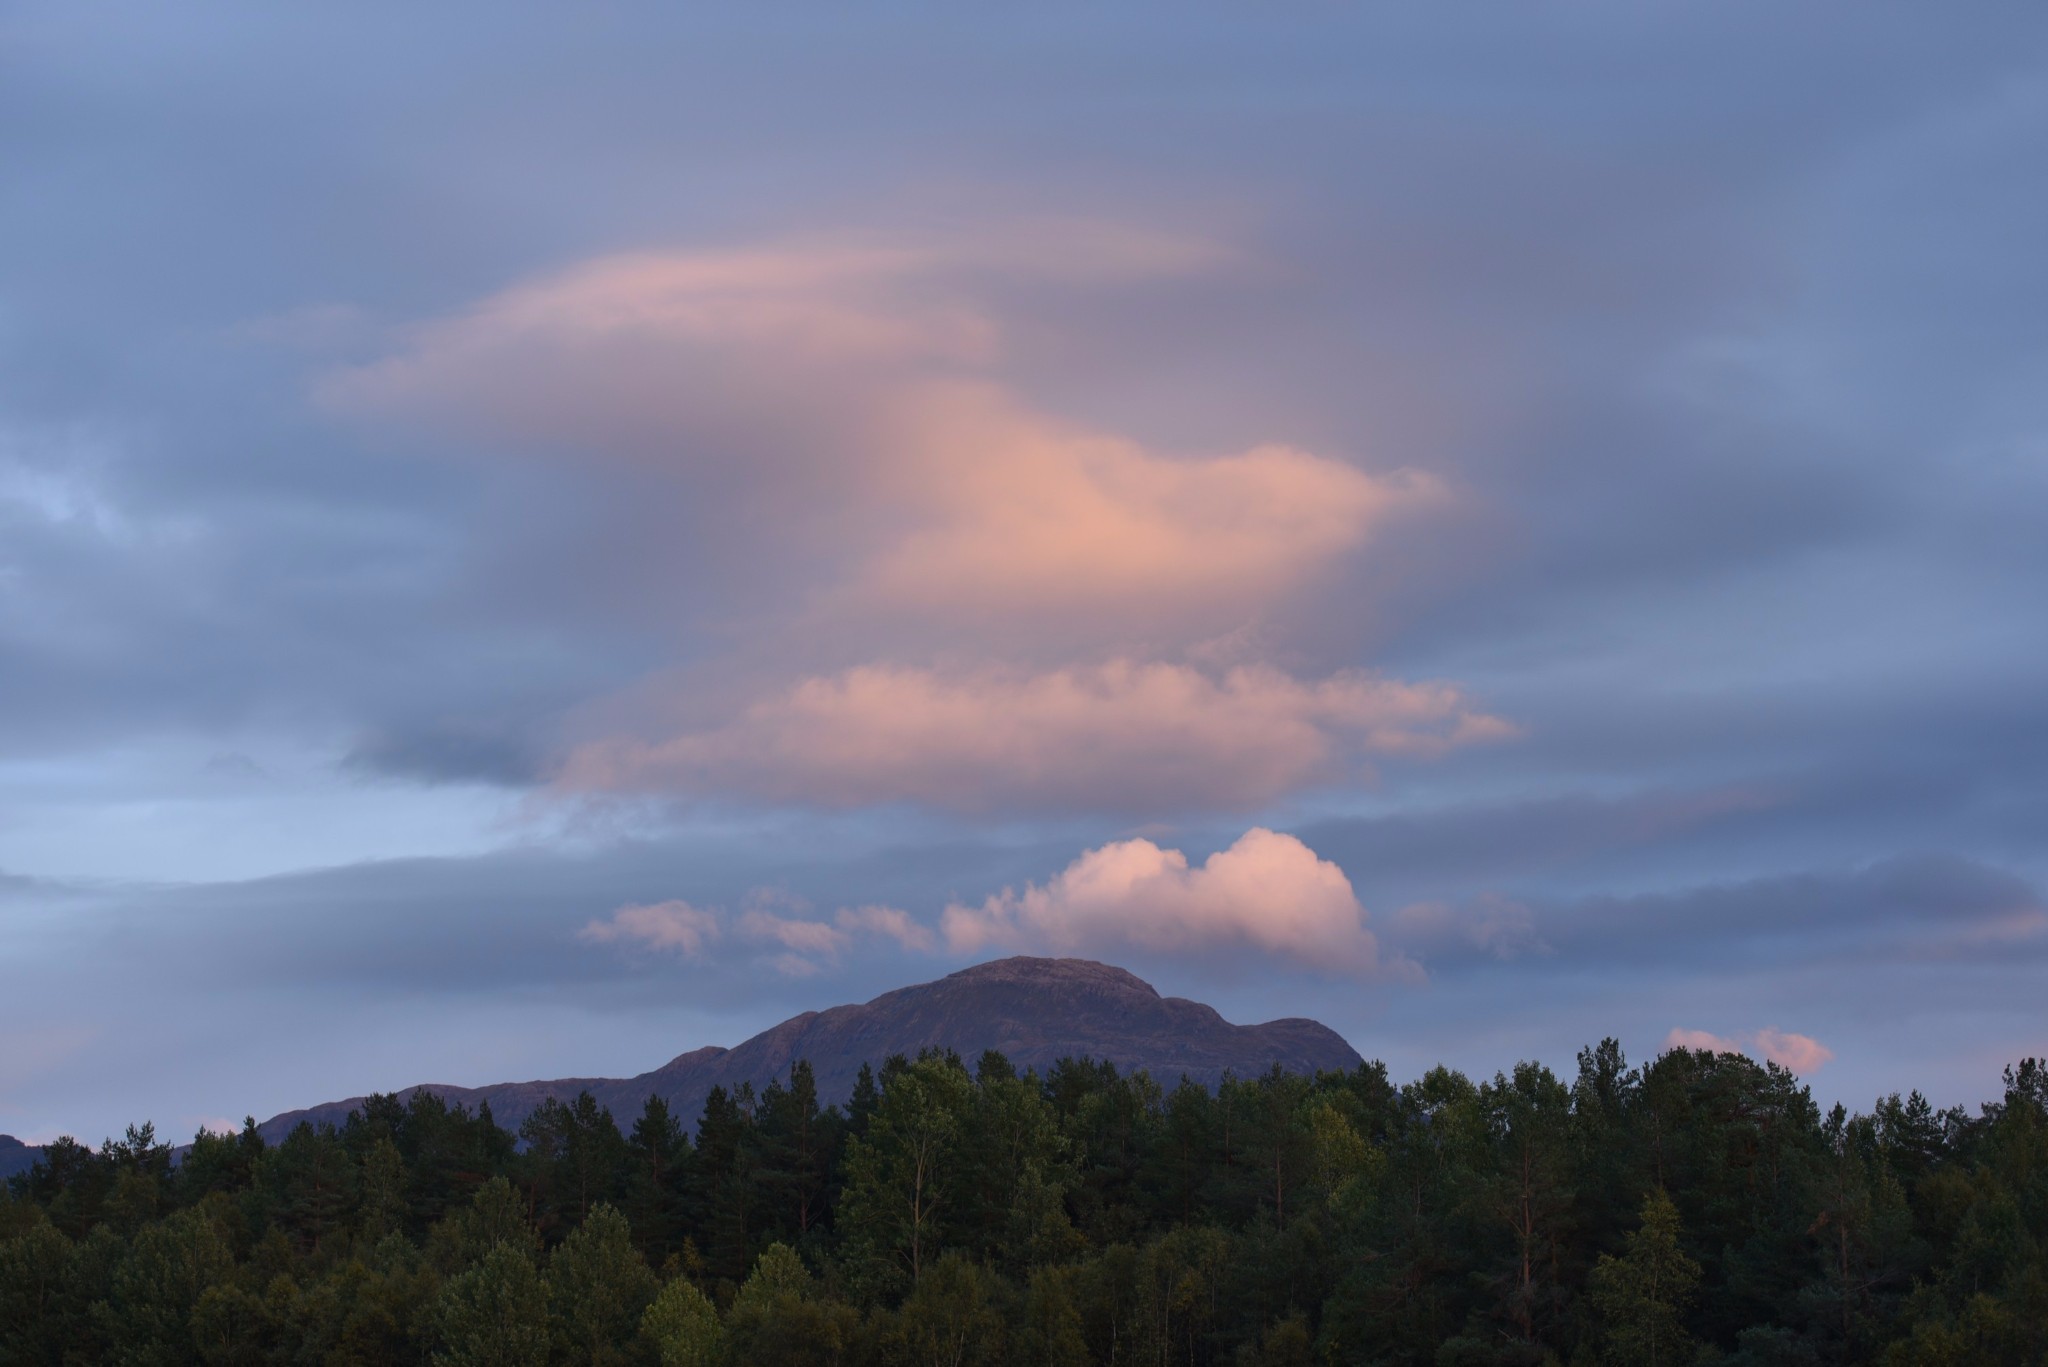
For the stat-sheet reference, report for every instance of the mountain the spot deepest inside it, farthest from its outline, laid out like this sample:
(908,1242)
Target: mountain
(16,1156)
(1036,1011)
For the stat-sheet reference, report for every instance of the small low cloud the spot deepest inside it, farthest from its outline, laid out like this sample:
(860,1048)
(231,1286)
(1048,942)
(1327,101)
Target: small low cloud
(891,923)
(1268,893)
(677,927)
(799,944)
(800,936)
(1799,1053)
(1702,1039)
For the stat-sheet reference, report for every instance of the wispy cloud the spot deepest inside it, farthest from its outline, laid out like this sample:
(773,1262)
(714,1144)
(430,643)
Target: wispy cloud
(675,926)
(799,944)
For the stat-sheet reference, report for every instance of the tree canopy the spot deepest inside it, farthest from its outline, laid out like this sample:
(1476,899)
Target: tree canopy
(1698,1210)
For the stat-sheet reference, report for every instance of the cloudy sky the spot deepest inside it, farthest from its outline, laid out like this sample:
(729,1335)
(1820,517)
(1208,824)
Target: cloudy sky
(534,539)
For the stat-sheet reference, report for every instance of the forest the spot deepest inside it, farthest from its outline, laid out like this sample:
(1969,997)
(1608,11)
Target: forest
(1700,1209)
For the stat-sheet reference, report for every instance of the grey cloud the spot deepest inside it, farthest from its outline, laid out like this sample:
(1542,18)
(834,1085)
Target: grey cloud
(1724,322)
(452,752)
(1919,909)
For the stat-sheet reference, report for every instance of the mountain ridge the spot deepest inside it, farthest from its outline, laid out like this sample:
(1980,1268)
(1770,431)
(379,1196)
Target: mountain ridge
(16,1156)
(1033,1010)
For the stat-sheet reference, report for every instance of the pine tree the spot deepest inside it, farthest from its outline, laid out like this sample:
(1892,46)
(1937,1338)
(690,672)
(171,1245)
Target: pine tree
(598,1288)
(1643,1295)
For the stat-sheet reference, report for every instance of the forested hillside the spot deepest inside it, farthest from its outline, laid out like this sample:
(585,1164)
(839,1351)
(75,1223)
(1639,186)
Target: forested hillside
(1701,1209)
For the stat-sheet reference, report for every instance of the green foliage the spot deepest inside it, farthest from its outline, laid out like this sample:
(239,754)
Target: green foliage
(166,1268)
(1697,1210)
(724,1195)
(495,1314)
(598,1288)
(681,1327)
(1643,1295)
(1180,1279)
(496,1216)
(952,1317)
(904,1179)
(575,1158)
(779,1315)
(39,1294)
(1049,1330)
(383,1199)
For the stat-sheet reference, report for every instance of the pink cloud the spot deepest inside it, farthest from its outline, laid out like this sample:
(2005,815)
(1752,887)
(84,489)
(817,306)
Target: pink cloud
(1120,735)
(948,493)
(676,926)
(1022,516)
(834,416)
(1799,1053)
(888,922)
(627,354)
(804,942)
(1268,893)
(1701,1039)
(798,936)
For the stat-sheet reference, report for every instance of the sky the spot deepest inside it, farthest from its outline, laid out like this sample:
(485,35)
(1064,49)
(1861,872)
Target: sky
(537,538)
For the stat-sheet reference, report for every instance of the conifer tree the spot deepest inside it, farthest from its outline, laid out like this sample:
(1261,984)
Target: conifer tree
(1643,1295)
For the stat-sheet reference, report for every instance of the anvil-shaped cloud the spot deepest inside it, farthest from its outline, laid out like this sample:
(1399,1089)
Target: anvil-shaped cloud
(936,592)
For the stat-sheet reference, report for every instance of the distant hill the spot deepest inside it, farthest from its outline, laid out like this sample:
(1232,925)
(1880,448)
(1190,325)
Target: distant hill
(16,1156)
(1036,1011)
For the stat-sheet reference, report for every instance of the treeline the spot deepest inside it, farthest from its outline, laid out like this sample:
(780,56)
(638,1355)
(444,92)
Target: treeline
(1699,1210)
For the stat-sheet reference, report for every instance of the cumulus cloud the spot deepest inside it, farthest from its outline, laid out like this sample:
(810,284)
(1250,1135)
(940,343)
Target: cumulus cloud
(1268,892)
(1124,735)
(1799,1053)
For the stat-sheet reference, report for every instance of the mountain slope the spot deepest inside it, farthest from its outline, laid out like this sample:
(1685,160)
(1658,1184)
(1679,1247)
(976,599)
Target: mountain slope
(16,1156)
(1036,1011)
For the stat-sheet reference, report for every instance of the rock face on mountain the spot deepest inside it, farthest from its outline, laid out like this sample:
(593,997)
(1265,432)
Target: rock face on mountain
(1036,1011)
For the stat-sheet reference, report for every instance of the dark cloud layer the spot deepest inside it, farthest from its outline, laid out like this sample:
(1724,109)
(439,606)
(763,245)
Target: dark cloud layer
(1718,330)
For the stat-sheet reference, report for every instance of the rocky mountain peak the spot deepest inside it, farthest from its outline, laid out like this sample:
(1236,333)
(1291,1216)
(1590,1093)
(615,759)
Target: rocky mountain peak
(1055,974)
